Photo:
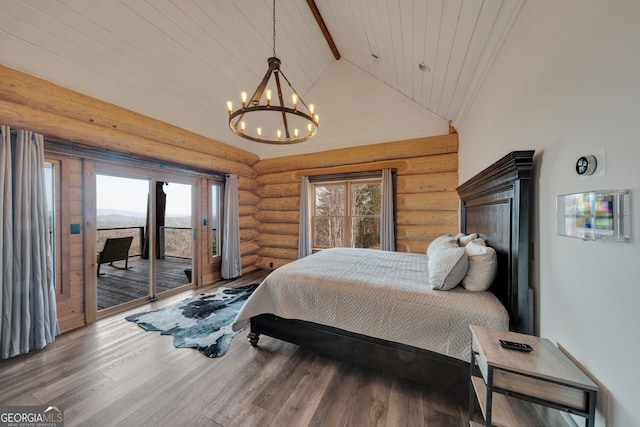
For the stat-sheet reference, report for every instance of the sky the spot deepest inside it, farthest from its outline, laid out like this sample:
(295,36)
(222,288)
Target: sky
(128,194)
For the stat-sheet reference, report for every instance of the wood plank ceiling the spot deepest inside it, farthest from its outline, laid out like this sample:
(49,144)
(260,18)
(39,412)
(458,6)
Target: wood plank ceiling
(179,61)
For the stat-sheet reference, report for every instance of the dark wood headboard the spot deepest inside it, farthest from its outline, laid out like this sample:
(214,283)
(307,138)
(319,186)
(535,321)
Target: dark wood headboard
(497,204)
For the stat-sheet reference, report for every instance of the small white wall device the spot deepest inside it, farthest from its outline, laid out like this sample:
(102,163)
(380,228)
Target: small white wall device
(586,165)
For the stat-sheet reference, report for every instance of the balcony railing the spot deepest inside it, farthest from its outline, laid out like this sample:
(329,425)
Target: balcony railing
(175,242)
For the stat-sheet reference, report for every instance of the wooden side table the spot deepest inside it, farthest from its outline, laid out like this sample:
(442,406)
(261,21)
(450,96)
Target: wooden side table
(502,378)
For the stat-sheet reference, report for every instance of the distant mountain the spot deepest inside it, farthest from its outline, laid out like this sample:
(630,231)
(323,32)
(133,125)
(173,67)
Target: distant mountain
(115,212)
(111,218)
(131,214)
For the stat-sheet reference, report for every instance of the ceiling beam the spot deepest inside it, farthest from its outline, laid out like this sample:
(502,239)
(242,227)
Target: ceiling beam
(323,28)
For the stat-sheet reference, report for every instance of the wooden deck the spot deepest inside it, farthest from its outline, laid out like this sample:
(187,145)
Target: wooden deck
(117,286)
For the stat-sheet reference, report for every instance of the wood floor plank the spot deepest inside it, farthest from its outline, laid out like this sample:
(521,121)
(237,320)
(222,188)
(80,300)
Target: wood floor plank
(305,397)
(337,406)
(406,404)
(372,400)
(277,390)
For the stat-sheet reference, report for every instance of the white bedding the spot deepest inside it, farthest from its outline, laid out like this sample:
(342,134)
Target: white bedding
(376,293)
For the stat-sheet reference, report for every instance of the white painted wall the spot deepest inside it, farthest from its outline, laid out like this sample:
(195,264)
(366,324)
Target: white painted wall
(567,83)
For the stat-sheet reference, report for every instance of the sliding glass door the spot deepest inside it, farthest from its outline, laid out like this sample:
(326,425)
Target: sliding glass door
(174,231)
(123,272)
(144,237)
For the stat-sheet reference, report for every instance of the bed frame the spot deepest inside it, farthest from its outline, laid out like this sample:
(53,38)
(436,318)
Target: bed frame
(496,204)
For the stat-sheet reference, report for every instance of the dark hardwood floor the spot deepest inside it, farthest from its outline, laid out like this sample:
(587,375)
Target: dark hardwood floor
(112,372)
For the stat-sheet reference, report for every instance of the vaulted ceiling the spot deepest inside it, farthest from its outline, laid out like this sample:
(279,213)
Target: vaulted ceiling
(180,61)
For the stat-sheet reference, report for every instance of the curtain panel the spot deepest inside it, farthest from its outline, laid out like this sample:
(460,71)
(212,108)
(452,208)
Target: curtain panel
(387,225)
(27,302)
(231,264)
(304,231)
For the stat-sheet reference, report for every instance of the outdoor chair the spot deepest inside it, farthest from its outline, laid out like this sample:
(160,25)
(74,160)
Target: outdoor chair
(115,249)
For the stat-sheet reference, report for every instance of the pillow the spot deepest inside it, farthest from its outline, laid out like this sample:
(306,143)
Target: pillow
(480,242)
(447,267)
(483,266)
(464,240)
(441,241)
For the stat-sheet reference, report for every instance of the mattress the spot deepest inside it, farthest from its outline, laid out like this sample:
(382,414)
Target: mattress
(381,294)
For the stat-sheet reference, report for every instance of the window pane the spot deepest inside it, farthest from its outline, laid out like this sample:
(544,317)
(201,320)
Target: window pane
(365,232)
(177,232)
(329,232)
(330,200)
(365,199)
(52,213)
(215,215)
(347,213)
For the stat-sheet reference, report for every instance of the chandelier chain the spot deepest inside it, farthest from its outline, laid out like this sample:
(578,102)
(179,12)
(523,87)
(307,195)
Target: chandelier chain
(298,115)
(274,28)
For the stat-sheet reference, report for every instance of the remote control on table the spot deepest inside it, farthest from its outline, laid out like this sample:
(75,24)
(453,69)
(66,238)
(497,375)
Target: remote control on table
(515,345)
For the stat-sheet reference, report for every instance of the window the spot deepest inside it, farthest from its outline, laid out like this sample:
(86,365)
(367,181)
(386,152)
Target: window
(346,213)
(51,182)
(215,215)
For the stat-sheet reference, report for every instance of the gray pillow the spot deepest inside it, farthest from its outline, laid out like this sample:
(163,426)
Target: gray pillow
(447,267)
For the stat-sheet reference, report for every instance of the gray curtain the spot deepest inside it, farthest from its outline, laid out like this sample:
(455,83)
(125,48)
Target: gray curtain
(27,299)
(304,231)
(387,234)
(231,265)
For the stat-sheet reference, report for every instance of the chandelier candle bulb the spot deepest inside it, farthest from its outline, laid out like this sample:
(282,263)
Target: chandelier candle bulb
(294,100)
(230,107)
(295,133)
(278,134)
(243,125)
(243,95)
(259,133)
(311,109)
(268,97)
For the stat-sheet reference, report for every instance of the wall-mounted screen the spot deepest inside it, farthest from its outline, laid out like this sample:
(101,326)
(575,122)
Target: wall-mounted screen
(594,215)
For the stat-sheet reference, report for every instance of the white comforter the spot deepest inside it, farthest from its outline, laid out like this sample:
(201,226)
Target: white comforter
(376,293)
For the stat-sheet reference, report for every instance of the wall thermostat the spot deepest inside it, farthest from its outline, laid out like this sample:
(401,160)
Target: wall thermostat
(586,165)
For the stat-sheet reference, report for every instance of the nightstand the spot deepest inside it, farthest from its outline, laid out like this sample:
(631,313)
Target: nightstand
(504,380)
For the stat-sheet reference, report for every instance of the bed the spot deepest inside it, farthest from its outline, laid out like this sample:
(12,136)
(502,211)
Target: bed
(319,301)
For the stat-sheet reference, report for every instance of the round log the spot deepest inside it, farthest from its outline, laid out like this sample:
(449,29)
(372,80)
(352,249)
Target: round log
(425,218)
(440,181)
(423,233)
(437,201)
(279,203)
(279,190)
(277,241)
(363,154)
(279,228)
(278,216)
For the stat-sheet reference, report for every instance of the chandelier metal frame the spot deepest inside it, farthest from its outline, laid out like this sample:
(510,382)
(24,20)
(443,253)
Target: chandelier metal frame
(251,106)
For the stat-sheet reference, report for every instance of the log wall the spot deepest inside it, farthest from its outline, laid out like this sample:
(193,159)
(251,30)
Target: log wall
(27,102)
(426,200)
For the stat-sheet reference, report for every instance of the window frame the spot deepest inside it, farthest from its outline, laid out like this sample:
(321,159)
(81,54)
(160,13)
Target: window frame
(348,183)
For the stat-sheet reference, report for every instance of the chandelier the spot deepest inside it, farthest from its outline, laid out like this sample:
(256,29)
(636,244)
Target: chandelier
(287,124)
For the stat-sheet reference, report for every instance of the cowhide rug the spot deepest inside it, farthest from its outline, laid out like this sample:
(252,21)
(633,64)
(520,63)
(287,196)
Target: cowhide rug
(202,322)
